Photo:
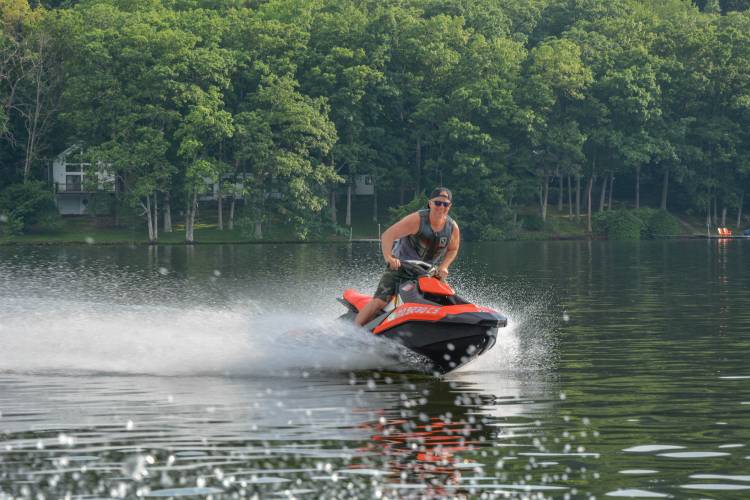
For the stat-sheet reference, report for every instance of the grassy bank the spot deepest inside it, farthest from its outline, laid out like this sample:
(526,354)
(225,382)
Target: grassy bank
(84,229)
(74,230)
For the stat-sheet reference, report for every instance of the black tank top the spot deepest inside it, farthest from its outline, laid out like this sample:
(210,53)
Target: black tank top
(427,245)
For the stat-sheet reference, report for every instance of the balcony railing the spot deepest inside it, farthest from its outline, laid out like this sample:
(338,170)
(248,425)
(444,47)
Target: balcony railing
(79,187)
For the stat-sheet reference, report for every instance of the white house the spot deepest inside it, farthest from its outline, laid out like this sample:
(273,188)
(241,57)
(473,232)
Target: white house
(364,185)
(73,182)
(211,192)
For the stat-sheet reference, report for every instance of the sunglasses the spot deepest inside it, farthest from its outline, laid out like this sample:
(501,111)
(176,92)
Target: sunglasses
(442,203)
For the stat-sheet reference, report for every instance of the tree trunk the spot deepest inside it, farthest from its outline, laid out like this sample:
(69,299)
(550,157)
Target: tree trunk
(578,196)
(259,211)
(220,208)
(30,153)
(167,212)
(560,194)
(231,211)
(401,192)
(374,203)
(156,215)
(334,217)
(349,204)
(545,196)
(603,193)
(664,189)
(611,184)
(540,195)
(187,220)
(716,211)
(32,123)
(418,158)
(190,217)
(149,219)
(589,188)
(724,216)
(739,210)
(570,198)
(117,205)
(638,187)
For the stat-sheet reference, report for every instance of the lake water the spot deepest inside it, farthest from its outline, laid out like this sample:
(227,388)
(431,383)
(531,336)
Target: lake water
(219,371)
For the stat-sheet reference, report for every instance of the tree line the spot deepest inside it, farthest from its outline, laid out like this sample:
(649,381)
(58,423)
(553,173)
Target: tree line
(511,103)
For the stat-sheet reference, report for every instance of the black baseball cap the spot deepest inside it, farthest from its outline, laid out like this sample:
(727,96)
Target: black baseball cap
(441,191)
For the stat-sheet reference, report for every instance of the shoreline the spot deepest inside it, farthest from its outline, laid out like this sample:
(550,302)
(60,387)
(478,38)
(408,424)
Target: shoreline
(134,243)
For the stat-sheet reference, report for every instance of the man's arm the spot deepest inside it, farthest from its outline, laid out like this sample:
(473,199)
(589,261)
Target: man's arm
(406,226)
(451,252)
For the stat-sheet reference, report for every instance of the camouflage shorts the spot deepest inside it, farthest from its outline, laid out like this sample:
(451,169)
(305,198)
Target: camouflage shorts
(389,283)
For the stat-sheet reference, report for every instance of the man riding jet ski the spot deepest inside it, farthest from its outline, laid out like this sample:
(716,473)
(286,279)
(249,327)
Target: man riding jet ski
(412,304)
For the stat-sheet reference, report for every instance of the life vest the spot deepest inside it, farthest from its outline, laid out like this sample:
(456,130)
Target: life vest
(427,245)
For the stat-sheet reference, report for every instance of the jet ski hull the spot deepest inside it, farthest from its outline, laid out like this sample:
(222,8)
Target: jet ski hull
(446,345)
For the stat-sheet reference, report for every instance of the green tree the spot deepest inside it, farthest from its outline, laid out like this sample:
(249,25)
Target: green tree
(283,138)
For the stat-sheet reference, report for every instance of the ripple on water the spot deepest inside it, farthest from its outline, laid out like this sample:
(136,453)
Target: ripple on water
(294,493)
(365,472)
(727,477)
(182,492)
(716,486)
(516,487)
(649,448)
(635,493)
(542,454)
(268,480)
(695,454)
(636,472)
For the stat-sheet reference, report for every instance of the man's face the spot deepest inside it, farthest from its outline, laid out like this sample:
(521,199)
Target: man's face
(440,204)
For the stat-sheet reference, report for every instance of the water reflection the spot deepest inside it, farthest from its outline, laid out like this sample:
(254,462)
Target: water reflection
(623,374)
(122,436)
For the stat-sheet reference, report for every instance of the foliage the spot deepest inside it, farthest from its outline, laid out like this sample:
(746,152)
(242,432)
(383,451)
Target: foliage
(497,100)
(27,204)
(401,211)
(618,225)
(489,233)
(532,222)
(634,224)
(657,223)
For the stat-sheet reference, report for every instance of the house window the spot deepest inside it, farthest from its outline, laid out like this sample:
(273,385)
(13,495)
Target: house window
(72,167)
(368,180)
(72,183)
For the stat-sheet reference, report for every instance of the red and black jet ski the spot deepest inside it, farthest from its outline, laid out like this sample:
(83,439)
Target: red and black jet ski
(428,317)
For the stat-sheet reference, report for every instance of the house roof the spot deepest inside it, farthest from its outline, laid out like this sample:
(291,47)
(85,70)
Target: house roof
(68,151)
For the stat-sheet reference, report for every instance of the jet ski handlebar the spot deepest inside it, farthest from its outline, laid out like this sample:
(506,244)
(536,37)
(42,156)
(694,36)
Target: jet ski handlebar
(418,268)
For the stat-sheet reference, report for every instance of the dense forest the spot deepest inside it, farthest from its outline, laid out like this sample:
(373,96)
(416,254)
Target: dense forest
(567,105)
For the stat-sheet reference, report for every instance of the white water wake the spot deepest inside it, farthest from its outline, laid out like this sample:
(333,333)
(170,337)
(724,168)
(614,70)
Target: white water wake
(54,335)
(97,320)
(57,335)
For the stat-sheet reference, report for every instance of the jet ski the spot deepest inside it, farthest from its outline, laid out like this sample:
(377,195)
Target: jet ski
(428,318)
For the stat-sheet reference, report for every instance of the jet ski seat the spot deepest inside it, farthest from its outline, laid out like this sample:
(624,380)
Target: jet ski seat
(358,300)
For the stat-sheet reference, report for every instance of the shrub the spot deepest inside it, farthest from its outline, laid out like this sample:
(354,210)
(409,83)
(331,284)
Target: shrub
(492,234)
(658,223)
(50,222)
(532,222)
(100,204)
(10,225)
(617,225)
(28,204)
